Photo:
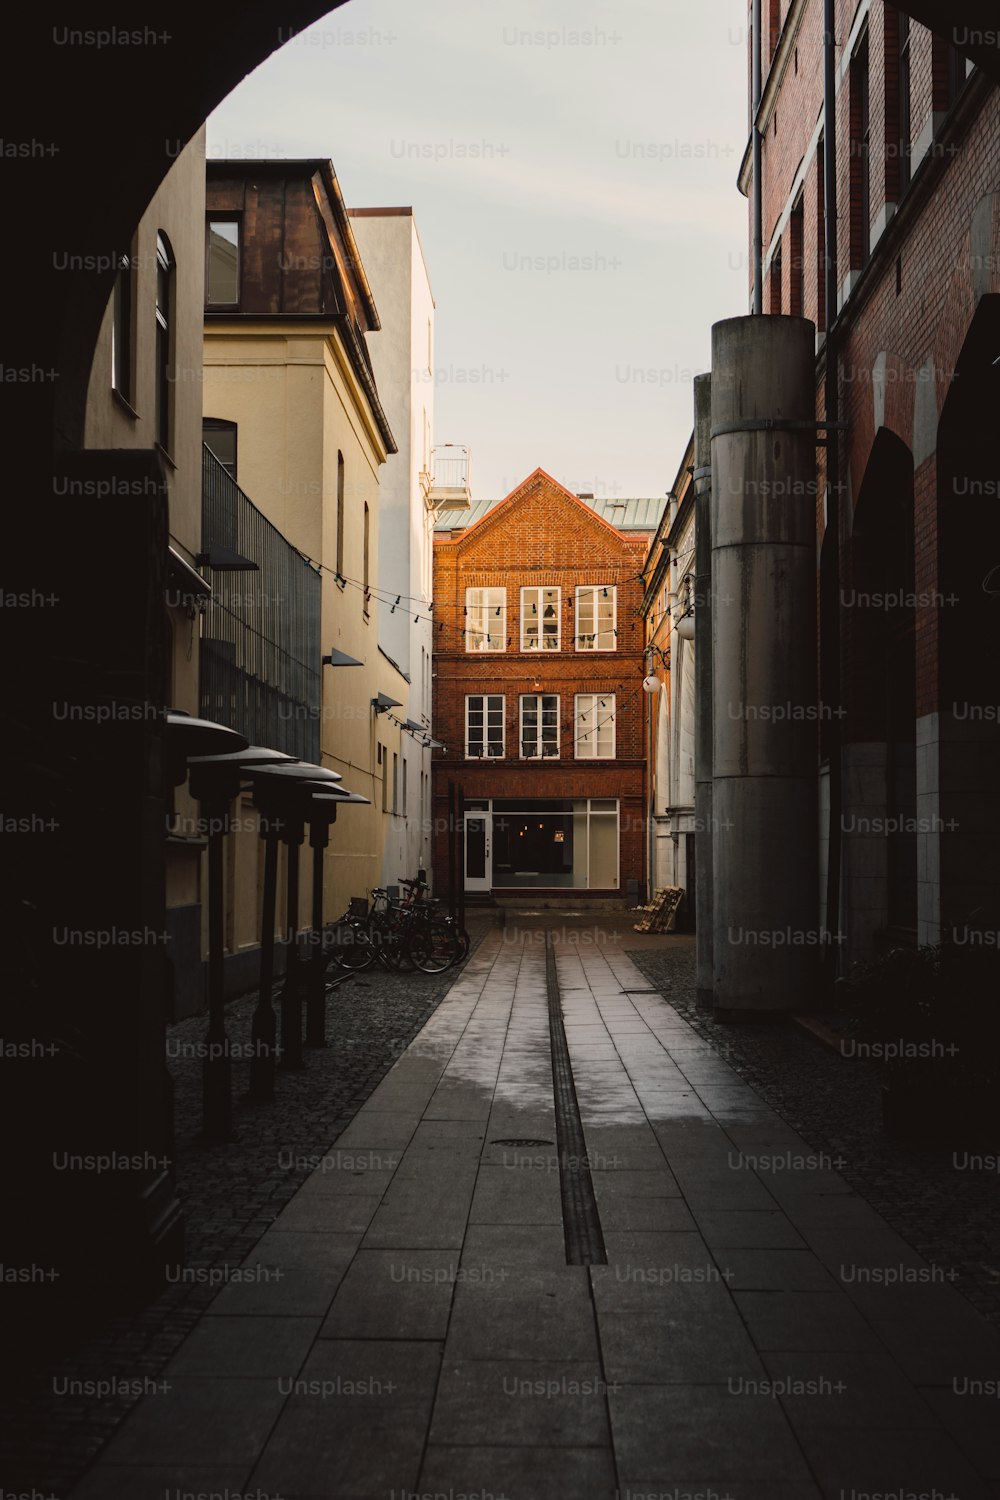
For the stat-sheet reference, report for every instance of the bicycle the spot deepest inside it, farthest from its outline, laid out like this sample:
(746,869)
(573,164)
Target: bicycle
(399,933)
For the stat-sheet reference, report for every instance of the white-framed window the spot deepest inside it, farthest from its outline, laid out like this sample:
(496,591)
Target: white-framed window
(594,726)
(540,630)
(597,617)
(484,731)
(539,726)
(485,619)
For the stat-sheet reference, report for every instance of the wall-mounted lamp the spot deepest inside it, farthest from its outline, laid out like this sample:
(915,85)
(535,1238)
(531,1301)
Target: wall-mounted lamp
(341,659)
(382,703)
(225,560)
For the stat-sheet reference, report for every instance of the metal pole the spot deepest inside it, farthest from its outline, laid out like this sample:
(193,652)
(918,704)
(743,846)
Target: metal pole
(703,700)
(758,196)
(316,1003)
(291,995)
(650,848)
(264,1028)
(460,860)
(216,1073)
(831,397)
(452,835)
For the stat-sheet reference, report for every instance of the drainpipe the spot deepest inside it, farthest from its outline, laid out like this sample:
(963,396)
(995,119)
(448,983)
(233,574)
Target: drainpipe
(758,201)
(831,399)
(703,708)
(650,772)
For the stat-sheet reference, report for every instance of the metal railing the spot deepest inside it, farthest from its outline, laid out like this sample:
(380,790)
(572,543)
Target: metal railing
(451,467)
(260,646)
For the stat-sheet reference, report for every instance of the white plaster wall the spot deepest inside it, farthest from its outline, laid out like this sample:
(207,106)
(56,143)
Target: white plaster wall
(403,360)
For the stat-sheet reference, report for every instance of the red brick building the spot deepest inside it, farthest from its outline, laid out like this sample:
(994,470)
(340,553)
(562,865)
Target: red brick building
(538,697)
(910,585)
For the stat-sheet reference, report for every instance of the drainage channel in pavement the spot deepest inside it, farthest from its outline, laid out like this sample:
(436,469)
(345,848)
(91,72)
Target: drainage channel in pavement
(581,1220)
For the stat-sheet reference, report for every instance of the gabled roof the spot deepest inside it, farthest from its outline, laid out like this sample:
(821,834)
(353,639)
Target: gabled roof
(622,514)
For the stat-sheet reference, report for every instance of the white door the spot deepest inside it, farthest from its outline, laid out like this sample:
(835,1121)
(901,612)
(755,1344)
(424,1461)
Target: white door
(478,851)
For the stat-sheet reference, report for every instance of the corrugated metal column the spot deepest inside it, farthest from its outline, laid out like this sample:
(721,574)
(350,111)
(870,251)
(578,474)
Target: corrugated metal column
(703,685)
(764,579)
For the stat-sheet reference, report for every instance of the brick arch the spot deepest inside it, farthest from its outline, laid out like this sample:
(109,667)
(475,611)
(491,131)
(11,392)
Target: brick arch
(889,409)
(975,275)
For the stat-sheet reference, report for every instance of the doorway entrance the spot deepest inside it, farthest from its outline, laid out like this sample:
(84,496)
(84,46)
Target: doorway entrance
(478,849)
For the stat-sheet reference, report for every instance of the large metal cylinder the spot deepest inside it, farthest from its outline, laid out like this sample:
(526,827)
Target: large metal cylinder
(703,686)
(766,929)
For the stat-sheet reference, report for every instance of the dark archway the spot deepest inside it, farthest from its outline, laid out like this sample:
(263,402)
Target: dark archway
(116,116)
(968,516)
(102,122)
(878,621)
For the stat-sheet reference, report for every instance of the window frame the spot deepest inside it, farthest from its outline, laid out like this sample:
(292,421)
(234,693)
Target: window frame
(490,608)
(230,217)
(539,647)
(904,106)
(484,699)
(164,305)
(593,588)
(222,424)
(123,330)
(538,699)
(612,715)
(860,185)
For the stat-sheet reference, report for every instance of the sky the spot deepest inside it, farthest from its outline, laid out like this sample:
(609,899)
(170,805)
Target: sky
(572,170)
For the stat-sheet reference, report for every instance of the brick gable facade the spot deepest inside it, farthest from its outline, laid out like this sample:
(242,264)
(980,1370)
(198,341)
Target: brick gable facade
(542,537)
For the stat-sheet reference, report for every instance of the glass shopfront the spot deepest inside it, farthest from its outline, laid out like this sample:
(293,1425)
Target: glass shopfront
(544,843)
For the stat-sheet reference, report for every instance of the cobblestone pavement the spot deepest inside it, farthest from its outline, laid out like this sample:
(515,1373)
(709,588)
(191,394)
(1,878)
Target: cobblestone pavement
(949,1214)
(231,1194)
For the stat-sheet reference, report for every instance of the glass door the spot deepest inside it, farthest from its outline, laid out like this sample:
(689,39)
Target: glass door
(478,850)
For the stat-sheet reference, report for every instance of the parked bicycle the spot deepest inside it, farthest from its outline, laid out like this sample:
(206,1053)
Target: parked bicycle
(399,933)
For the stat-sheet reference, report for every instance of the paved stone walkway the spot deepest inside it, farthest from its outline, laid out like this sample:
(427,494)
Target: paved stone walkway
(68,1398)
(409,1322)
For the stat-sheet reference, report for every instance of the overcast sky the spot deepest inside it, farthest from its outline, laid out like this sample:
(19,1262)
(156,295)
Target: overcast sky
(572,168)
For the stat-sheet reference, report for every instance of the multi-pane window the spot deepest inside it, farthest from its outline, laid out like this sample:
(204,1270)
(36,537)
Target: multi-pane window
(596,617)
(594,725)
(485,619)
(539,619)
(539,725)
(484,726)
(222,271)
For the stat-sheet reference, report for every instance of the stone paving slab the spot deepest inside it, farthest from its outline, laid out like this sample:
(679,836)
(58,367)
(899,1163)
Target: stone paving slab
(426,1330)
(529,1473)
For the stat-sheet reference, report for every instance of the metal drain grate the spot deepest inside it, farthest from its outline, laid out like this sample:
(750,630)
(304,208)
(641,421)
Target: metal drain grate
(581,1221)
(521,1141)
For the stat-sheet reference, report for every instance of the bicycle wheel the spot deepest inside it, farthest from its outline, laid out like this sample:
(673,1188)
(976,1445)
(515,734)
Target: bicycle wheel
(353,948)
(464,943)
(433,947)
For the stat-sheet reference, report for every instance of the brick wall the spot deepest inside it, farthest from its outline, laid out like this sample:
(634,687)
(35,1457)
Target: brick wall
(912,312)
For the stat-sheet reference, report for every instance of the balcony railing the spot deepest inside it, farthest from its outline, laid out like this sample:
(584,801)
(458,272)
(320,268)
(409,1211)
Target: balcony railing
(260,646)
(451,477)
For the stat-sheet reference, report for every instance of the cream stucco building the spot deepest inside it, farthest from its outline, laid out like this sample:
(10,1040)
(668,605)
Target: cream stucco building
(292,410)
